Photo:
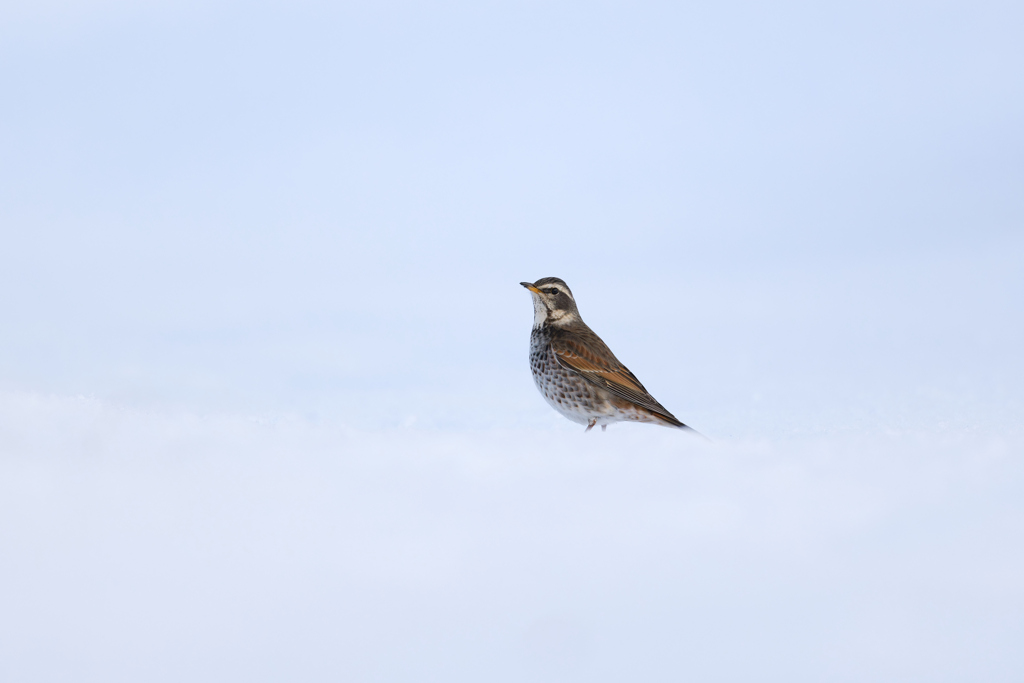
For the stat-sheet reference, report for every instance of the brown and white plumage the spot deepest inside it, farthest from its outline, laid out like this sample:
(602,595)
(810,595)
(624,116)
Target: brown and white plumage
(575,370)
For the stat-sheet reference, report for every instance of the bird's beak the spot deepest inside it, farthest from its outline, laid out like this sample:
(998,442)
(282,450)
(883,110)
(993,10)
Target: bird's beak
(530,287)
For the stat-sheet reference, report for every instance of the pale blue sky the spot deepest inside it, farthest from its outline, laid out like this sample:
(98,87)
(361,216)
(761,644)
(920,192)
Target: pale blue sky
(258,206)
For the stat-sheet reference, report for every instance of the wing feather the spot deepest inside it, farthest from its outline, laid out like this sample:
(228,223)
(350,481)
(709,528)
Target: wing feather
(592,360)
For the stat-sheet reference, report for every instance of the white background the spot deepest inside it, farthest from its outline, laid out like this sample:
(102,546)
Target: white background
(265,407)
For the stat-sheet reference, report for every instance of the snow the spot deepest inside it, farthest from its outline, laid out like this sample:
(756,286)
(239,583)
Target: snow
(157,546)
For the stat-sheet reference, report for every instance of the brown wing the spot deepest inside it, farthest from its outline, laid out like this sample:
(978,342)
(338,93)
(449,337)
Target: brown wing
(585,354)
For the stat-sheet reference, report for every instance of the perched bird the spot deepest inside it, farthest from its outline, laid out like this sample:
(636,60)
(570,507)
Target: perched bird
(576,372)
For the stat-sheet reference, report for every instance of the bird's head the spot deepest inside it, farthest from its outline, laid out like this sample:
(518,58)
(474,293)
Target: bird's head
(552,302)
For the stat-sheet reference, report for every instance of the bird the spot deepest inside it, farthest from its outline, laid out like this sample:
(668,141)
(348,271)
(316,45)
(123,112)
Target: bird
(577,373)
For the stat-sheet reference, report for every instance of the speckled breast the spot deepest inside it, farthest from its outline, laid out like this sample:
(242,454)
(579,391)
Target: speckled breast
(567,392)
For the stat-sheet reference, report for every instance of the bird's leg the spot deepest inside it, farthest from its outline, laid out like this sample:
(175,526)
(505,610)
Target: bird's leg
(604,427)
(591,425)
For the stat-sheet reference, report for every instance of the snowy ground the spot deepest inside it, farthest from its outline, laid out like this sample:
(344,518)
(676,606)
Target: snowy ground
(167,547)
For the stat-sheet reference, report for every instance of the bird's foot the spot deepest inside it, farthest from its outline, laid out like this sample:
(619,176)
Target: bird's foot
(591,425)
(604,427)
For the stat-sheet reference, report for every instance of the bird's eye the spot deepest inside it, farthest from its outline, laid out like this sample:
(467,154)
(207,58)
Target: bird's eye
(551,290)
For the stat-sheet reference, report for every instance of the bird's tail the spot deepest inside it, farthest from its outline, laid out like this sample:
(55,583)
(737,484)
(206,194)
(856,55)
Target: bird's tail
(671,421)
(688,428)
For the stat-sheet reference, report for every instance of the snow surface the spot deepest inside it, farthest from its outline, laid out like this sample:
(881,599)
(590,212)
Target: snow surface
(161,547)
